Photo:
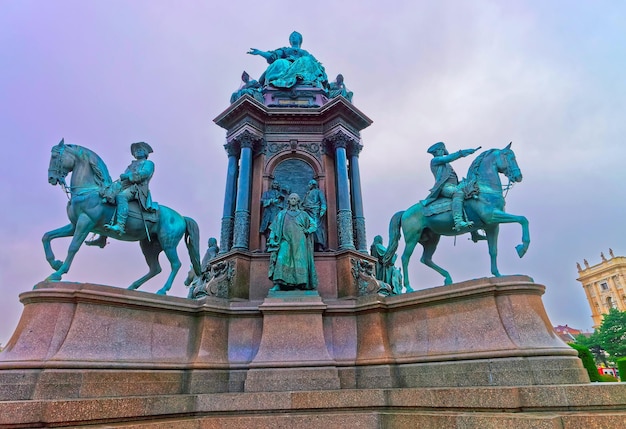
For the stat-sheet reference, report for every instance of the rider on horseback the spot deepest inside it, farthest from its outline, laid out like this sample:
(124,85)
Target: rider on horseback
(447,182)
(134,183)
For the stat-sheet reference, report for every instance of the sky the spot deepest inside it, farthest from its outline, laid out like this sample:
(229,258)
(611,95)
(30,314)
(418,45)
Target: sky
(548,76)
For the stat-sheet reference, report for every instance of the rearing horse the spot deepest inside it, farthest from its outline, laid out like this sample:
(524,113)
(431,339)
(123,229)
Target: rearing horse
(88,213)
(486,210)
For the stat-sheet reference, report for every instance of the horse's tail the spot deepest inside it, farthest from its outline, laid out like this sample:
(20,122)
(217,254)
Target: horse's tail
(192,241)
(394,236)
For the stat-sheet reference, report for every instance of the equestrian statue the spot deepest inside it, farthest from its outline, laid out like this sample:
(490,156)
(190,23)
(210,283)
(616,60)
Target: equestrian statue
(455,208)
(96,202)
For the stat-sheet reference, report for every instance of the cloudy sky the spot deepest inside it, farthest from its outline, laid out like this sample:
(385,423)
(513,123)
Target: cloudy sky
(547,75)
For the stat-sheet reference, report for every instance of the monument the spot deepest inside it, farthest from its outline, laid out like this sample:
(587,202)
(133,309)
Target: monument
(288,321)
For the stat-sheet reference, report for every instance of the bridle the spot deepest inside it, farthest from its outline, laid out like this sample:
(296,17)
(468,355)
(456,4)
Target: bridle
(57,169)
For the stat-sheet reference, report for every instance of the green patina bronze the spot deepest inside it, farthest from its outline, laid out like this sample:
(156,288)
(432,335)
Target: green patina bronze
(248,87)
(291,66)
(426,221)
(89,210)
(338,88)
(291,246)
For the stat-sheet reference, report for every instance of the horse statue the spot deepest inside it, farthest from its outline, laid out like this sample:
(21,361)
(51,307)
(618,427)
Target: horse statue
(485,209)
(88,212)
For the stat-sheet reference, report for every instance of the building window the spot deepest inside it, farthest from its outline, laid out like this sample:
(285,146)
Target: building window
(610,303)
(604,286)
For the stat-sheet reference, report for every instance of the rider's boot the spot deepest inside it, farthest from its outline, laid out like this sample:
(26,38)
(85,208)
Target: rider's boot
(457,213)
(100,241)
(122,214)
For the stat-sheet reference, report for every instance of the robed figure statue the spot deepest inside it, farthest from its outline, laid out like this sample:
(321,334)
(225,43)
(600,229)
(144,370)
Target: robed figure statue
(291,246)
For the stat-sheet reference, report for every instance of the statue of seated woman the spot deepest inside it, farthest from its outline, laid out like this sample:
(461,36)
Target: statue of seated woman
(248,87)
(338,88)
(291,66)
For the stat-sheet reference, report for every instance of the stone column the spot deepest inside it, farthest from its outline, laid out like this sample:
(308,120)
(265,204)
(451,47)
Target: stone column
(360,241)
(241,236)
(340,142)
(226,234)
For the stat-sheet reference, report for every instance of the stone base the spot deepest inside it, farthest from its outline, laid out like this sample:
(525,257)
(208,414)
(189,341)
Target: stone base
(587,406)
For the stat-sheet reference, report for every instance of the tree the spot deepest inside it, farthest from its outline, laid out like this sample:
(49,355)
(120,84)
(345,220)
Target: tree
(592,342)
(612,333)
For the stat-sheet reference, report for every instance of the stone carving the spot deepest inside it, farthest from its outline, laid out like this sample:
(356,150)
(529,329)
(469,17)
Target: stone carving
(338,88)
(315,205)
(485,211)
(365,282)
(291,246)
(344,229)
(248,87)
(291,66)
(90,179)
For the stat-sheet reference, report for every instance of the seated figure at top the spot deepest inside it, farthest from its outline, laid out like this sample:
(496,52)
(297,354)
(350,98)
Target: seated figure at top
(248,87)
(291,66)
(338,88)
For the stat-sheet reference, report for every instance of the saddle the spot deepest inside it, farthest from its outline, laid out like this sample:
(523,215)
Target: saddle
(444,204)
(135,210)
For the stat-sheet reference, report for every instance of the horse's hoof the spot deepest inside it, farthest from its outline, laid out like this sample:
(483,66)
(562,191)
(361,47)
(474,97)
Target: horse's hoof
(447,282)
(521,250)
(161,292)
(408,289)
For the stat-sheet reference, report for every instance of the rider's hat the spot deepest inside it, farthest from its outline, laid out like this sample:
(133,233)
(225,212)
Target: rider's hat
(143,145)
(437,146)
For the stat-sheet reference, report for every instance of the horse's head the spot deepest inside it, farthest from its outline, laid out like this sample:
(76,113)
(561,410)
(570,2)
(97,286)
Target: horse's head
(507,164)
(60,164)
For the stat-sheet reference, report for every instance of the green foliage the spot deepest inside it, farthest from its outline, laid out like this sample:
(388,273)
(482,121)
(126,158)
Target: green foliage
(585,355)
(621,367)
(606,378)
(612,333)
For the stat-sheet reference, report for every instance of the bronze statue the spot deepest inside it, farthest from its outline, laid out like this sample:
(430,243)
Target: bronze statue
(248,87)
(338,88)
(315,205)
(134,186)
(89,213)
(291,246)
(291,66)
(272,201)
(420,224)
(197,284)
(447,182)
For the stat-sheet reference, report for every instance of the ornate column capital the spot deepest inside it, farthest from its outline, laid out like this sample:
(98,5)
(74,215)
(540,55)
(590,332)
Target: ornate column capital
(232,148)
(338,140)
(248,140)
(354,148)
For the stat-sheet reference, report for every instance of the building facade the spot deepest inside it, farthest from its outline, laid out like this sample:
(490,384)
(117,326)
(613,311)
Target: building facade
(604,285)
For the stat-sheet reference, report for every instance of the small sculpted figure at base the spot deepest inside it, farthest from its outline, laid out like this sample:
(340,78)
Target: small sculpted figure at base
(248,87)
(272,201)
(386,271)
(291,66)
(338,88)
(447,182)
(315,205)
(291,246)
(197,283)
(134,186)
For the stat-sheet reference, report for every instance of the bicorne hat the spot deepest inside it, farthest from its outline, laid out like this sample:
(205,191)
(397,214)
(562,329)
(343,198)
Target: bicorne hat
(437,146)
(145,146)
